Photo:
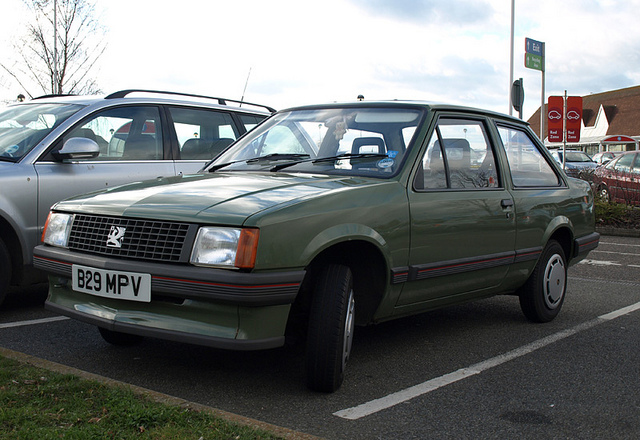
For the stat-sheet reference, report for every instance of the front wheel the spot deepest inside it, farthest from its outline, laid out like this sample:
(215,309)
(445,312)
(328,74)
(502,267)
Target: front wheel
(331,325)
(542,296)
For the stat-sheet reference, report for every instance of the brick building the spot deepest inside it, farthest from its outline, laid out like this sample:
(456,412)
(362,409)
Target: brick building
(610,122)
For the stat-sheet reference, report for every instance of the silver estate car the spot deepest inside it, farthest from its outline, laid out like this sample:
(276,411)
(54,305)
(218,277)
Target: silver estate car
(54,147)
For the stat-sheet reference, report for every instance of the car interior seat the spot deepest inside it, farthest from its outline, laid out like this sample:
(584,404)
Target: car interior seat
(139,147)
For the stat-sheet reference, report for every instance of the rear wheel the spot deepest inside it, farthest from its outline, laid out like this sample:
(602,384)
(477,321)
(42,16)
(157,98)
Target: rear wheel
(541,298)
(331,325)
(603,193)
(5,270)
(119,338)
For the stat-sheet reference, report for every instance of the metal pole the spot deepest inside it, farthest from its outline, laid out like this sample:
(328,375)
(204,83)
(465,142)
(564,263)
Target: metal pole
(56,90)
(564,131)
(542,97)
(513,6)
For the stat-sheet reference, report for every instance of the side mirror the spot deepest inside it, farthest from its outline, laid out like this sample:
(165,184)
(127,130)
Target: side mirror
(78,148)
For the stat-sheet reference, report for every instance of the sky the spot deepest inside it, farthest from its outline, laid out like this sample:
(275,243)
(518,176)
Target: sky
(295,52)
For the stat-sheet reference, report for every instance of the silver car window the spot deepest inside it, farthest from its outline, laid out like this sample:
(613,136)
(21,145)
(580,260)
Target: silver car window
(23,126)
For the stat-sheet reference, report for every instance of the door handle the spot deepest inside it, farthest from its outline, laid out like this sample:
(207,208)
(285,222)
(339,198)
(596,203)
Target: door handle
(506,203)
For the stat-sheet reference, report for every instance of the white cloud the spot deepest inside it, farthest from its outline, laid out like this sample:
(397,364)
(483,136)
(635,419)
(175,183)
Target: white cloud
(302,52)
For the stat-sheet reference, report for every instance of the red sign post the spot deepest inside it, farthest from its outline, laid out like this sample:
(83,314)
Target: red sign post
(574,118)
(561,117)
(555,117)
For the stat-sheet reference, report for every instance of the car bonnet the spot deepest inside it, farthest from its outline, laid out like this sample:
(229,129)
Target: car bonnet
(221,198)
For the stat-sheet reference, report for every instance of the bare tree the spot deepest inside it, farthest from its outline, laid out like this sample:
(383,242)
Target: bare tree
(59,52)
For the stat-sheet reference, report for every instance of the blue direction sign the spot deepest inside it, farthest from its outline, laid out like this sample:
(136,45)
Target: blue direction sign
(533,47)
(534,54)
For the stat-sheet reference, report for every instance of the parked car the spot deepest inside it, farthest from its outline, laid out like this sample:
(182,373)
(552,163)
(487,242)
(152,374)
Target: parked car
(604,157)
(619,180)
(576,162)
(321,218)
(54,147)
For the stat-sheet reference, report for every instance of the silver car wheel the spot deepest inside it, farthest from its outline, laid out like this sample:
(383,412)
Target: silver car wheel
(555,281)
(349,325)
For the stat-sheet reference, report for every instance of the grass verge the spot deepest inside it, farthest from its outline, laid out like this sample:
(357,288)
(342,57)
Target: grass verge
(40,404)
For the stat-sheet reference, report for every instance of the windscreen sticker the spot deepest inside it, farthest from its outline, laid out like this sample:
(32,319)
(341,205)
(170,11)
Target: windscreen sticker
(386,163)
(11,149)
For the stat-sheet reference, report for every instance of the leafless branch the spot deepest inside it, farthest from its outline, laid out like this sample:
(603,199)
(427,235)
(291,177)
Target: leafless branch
(66,66)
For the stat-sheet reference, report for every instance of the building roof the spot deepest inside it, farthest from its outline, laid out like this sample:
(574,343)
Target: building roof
(621,108)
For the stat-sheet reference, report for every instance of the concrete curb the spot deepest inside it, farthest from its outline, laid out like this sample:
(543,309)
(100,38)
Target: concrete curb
(156,396)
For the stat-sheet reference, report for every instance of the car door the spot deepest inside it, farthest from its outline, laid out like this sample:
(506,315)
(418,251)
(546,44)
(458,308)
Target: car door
(618,178)
(462,224)
(132,145)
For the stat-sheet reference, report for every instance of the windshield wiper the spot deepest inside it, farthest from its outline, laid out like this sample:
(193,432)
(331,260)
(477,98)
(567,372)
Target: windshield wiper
(265,158)
(330,159)
(277,156)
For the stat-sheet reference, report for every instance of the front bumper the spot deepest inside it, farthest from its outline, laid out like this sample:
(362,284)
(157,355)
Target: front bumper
(205,306)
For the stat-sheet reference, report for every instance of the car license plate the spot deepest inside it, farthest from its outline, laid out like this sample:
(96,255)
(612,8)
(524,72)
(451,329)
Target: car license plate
(131,286)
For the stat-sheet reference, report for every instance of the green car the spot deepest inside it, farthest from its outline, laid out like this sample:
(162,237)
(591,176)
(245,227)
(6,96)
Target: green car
(320,219)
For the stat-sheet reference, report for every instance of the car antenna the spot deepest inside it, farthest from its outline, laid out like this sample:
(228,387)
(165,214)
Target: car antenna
(245,87)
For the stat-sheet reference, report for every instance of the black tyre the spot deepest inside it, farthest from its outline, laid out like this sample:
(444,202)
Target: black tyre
(118,338)
(541,298)
(5,271)
(331,325)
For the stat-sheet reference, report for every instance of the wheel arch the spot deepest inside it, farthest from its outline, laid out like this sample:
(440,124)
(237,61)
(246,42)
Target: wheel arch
(368,267)
(564,236)
(14,246)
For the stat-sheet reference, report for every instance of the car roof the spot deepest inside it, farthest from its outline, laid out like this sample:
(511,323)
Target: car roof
(624,153)
(409,104)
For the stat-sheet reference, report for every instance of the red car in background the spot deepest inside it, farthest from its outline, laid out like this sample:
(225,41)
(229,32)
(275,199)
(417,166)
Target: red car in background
(619,180)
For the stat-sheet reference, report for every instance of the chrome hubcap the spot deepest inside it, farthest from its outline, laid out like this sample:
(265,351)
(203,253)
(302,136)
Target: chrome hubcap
(349,324)
(555,279)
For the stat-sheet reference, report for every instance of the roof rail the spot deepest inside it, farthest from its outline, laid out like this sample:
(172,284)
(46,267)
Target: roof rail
(221,101)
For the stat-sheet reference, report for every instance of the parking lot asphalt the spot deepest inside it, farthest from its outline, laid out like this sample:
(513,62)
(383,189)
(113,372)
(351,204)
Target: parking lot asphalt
(478,370)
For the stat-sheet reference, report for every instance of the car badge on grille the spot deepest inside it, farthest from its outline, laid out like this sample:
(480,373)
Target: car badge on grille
(116,234)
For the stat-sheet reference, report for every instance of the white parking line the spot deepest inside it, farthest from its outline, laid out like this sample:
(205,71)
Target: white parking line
(599,262)
(619,244)
(597,251)
(33,322)
(391,400)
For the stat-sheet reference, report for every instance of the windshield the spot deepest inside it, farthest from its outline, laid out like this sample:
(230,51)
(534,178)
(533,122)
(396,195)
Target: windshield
(22,127)
(366,141)
(576,156)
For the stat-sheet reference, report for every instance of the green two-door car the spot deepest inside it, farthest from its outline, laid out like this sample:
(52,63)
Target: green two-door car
(321,218)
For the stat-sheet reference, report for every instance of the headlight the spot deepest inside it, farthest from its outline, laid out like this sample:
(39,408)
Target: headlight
(57,229)
(225,247)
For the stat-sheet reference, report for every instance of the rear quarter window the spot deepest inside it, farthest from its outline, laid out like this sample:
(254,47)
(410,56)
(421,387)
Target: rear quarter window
(528,166)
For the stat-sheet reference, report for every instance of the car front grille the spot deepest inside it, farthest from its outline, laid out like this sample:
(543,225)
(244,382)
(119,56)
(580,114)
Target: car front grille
(160,241)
